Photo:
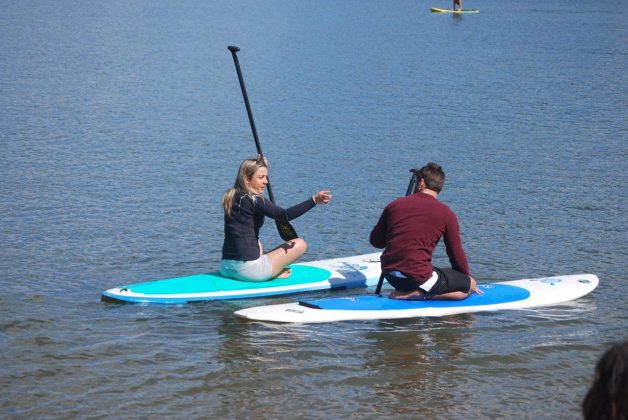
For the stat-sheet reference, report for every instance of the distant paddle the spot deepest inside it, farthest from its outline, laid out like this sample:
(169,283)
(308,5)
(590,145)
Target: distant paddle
(285,229)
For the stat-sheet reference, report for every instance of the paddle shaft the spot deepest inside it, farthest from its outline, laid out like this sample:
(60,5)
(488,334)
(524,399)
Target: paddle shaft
(234,50)
(285,229)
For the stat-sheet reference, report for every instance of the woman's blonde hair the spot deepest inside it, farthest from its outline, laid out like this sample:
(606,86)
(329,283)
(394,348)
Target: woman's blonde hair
(247,169)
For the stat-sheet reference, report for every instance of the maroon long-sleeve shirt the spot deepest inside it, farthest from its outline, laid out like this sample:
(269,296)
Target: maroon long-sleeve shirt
(409,229)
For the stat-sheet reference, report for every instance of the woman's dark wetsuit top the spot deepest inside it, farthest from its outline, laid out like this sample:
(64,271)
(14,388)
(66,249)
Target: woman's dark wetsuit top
(247,217)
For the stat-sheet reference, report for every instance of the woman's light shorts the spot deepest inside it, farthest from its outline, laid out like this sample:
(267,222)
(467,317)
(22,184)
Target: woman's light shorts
(260,269)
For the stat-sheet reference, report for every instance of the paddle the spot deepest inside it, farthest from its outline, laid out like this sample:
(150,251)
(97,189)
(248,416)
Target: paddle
(285,229)
(413,181)
(411,190)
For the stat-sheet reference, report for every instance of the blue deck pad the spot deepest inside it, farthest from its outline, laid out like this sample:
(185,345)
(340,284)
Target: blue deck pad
(493,294)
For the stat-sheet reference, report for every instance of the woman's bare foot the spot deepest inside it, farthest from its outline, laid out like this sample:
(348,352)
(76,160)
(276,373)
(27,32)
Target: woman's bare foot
(284,274)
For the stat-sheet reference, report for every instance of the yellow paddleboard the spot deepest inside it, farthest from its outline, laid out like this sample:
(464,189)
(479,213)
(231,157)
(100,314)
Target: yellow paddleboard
(437,10)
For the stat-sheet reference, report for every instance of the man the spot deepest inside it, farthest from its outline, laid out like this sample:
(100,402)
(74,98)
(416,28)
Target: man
(458,3)
(409,229)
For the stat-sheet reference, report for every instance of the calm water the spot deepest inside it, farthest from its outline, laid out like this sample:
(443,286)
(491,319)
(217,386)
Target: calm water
(121,124)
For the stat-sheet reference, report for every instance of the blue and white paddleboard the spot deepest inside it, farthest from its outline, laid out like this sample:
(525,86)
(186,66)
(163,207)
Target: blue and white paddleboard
(337,273)
(517,294)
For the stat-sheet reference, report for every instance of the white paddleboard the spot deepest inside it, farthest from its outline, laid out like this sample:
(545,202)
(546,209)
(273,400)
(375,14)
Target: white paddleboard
(517,294)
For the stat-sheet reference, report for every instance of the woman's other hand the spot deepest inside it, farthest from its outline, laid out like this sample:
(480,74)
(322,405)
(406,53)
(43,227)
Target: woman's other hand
(322,197)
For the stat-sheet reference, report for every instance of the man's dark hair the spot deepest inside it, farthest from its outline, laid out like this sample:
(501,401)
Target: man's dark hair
(433,175)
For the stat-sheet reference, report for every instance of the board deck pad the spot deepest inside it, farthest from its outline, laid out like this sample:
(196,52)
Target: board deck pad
(516,294)
(348,272)
(215,282)
(498,293)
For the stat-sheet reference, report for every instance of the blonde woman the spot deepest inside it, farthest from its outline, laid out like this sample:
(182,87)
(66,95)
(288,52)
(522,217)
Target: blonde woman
(245,208)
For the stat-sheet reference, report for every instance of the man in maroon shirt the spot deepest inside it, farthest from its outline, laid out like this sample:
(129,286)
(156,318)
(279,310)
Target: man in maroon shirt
(409,229)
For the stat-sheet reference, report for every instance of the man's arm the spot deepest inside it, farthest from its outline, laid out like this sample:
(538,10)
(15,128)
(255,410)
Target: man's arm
(378,234)
(453,246)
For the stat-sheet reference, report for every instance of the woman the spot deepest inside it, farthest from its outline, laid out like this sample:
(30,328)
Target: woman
(245,208)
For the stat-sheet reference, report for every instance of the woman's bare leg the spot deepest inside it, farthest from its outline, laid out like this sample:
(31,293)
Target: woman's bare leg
(286,254)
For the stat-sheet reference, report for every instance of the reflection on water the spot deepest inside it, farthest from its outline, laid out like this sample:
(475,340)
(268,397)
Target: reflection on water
(417,360)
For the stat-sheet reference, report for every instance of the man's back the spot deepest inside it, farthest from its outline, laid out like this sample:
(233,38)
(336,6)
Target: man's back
(410,228)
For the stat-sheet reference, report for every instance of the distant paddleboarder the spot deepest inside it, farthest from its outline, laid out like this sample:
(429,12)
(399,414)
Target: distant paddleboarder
(457,3)
(245,207)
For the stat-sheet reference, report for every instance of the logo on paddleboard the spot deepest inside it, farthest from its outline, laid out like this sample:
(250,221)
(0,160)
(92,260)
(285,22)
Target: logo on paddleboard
(549,280)
(345,267)
(585,281)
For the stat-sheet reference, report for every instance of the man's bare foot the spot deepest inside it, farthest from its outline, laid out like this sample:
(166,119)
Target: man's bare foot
(284,274)
(414,295)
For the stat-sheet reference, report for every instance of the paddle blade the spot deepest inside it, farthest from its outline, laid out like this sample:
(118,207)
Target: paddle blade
(286,231)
